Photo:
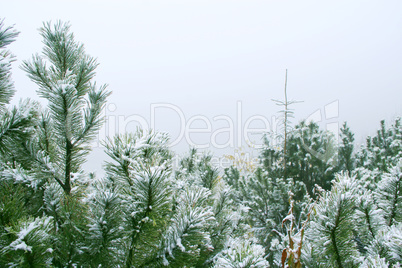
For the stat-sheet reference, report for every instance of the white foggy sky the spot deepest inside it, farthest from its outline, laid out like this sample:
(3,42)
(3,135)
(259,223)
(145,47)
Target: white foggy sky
(205,56)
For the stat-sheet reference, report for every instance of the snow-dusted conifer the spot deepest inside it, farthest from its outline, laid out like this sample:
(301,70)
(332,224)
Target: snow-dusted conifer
(346,160)
(311,156)
(64,74)
(374,262)
(389,195)
(241,253)
(19,246)
(187,237)
(387,245)
(331,231)
(266,200)
(7,36)
(105,226)
(31,244)
(15,121)
(141,171)
(62,135)
(368,217)
(384,149)
(196,168)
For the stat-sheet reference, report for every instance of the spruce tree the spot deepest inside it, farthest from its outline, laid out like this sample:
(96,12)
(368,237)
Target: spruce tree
(140,176)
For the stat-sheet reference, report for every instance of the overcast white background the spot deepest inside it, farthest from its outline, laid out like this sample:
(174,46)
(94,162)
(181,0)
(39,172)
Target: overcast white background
(206,56)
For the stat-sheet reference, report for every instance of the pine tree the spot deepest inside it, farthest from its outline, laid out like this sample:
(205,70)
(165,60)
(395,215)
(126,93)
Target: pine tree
(187,237)
(346,147)
(374,262)
(266,202)
(197,172)
(368,217)
(312,156)
(389,195)
(384,149)
(16,186)
(141,172)
(387,245)
(61,137)
(15,123)
(30,244)
(7,36)
(196,168)
(332,226)
(147,212)
(64,74)
(286,114)
(105,225)
(270,159)
(241,253)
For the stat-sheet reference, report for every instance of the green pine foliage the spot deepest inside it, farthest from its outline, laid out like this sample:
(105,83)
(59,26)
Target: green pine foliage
(271,159)
(196,171)
(331,229)
(241,253)
(369,218)
(374,262)
(187,238)
(7,36)
(346,159)
(31,244)
(384,149)
(387,245)
(389,195)
(140,172)
(196,168)
(64,75)
(308,203)
(312,156)
(352,223)
(266,201)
